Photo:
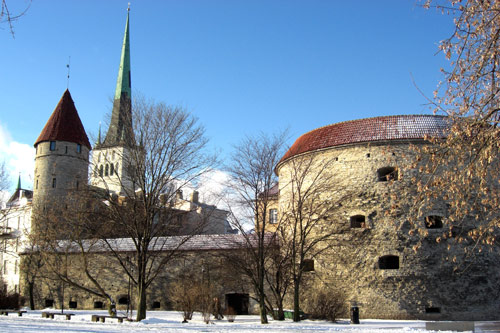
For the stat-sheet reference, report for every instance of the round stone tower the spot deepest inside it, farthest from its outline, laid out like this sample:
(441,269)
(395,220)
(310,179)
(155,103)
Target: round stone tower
(373,258)
(62,155)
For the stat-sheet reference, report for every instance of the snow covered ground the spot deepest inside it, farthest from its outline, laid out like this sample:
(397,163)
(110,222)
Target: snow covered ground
(167,321)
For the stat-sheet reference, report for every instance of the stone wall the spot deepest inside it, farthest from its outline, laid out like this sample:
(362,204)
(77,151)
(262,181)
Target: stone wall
(427,284)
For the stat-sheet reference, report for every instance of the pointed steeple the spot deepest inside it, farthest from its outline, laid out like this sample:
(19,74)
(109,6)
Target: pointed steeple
(19,182)
(120,127)
(64,124)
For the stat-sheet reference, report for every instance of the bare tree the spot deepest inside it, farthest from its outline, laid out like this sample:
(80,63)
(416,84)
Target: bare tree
(462,169)
(170,154)
(309,204)
(252,171)
(8,17)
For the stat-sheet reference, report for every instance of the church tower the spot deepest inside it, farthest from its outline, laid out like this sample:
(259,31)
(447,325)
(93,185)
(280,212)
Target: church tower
(110,157)
(62,154)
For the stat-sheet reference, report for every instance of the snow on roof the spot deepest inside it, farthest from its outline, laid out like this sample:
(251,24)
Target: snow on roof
(180,243)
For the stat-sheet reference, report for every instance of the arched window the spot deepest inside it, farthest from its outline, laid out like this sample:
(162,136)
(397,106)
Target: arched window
(111,169)
(388,262)
(433,222)
(358,221)
(98,305)
(101,168)
(387,173)
(106,170)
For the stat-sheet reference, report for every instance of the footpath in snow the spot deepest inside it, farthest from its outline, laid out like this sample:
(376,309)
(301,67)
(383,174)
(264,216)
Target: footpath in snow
(169,321)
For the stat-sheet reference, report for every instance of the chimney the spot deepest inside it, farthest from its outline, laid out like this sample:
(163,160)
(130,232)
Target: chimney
(194,196)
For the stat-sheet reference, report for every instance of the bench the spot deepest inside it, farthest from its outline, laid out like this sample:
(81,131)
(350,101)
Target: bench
(51,315)
(6,312)
(102,318)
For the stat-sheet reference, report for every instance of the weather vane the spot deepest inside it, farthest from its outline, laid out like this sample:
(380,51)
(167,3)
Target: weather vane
(67,66)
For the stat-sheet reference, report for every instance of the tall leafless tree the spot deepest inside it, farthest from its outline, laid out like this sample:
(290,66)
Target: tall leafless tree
(310,205)
(170,154)
(252,172)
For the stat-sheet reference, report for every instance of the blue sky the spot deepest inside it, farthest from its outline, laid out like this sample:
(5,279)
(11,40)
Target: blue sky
(240,66)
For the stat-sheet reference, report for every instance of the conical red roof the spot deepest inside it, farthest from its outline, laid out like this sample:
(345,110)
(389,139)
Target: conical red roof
(64,124)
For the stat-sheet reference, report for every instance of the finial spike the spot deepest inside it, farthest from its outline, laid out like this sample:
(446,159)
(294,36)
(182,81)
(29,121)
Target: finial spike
(128,9)
(68,66)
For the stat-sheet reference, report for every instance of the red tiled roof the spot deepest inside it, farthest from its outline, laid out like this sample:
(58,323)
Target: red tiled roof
(64,124)
(404,127)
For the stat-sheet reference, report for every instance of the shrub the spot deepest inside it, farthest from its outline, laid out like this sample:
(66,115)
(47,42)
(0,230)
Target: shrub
(325,303)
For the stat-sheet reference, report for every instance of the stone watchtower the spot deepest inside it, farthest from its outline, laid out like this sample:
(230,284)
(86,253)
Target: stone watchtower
(111,158)
(62,155)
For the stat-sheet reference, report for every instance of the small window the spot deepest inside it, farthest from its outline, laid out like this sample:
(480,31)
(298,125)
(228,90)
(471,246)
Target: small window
(66,150)
(156,305)
(387,174)
(98,305)
(99,157)
(106,170)
(388,262)
(368,155)
(273,216)
(101,169)
(358,221)
(433,310)
(36,184)
(49,303)
(111,169)
(52,145)
(78,148)
(308,265)
(77,184)
(433,222)
(72,304)
(123,300)
(53,183)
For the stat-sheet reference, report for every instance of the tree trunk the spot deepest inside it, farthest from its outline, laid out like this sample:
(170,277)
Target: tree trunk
(281,313)
(31,287)
(296,301)
(262,308)
(141,301)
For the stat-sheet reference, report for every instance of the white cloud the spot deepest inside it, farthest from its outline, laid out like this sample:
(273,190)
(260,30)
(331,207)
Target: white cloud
(19,159)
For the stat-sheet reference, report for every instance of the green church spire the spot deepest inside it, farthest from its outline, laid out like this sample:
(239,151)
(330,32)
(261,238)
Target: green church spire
(19,182)
(123,83)
(120,128)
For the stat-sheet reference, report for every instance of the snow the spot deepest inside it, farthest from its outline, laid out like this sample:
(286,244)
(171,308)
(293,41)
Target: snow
(169,321)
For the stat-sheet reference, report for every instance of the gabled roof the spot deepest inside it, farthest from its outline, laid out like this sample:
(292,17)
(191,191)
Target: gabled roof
(404,127)
(64,124)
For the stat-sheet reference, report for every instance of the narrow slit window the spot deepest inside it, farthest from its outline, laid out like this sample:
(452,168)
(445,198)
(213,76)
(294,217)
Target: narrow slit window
(433,222)
(52,145)
(387,174)
(388,262)
(78,148)
(54,183)
(308,265)
(358,221)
